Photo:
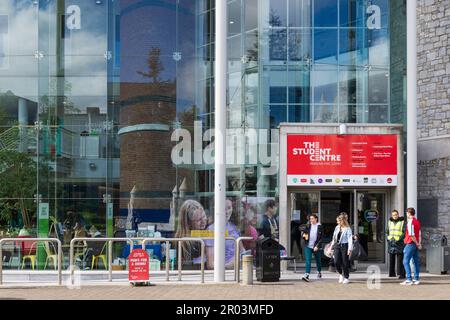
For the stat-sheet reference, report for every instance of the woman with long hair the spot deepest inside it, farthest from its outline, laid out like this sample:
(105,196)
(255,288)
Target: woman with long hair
(343,245)
(191,217)
(233,232)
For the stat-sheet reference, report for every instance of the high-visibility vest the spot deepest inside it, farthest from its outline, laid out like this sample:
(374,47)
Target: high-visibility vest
(395,230)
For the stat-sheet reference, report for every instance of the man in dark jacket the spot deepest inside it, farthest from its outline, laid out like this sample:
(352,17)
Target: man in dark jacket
(395,235)
(313,236)
(269,226)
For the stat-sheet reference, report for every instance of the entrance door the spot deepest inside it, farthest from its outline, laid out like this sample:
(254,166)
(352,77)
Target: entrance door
(371,210)
(332,203)
(302,205)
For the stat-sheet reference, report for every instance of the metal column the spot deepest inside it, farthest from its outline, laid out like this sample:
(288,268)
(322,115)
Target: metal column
(411,155)
(221,58)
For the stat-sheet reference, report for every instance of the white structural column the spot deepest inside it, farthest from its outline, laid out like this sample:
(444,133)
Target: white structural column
(220,80)
(411,153)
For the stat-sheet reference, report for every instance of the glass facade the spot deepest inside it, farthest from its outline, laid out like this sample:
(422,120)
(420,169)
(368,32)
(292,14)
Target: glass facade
(96,97)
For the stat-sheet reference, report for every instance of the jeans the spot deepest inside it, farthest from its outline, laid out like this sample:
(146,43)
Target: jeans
(342,260)
(411,252)
(308,255)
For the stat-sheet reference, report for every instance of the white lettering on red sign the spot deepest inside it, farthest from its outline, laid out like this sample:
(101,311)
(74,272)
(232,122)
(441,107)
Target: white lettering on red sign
(316,153)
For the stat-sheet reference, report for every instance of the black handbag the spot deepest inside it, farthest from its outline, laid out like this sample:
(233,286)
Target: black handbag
(358,252)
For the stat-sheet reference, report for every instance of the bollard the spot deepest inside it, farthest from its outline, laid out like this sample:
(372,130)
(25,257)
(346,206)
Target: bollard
(247,270)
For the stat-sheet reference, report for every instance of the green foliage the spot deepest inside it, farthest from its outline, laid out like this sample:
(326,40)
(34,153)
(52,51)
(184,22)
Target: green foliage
(18,185)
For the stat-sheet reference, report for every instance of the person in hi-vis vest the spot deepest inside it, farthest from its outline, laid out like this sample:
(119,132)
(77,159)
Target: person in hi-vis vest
(395,234)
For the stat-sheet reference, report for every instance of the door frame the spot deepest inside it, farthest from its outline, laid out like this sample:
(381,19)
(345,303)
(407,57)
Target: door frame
(386,208)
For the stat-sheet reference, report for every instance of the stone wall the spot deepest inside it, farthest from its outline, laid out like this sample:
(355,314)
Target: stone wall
(434,114)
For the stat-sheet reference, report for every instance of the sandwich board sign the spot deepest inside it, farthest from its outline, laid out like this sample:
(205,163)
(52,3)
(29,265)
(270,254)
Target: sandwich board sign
(138,267)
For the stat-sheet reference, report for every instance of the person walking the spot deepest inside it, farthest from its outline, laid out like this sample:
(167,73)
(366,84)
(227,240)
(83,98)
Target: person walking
(313,240)
(395,236)
(413,243)
(343,245)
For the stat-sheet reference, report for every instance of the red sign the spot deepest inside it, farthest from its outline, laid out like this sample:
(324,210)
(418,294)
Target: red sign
(342,159)
(138,266)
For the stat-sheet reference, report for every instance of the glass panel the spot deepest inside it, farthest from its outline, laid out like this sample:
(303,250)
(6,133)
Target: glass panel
(324,83)
(378,87)
(371,224)
(331,204)
(299,113)
(352,13)
(278,13)
(302,205)
(234,18)
(325,13)
(347,113)
(325,114)
(378,48)
(277,115)
(235,54)
(378,114)
(251,14)
(278,44)
(300,13)
(325,46)
(299,45)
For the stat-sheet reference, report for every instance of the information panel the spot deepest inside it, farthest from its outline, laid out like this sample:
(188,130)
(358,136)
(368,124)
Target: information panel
(342,160)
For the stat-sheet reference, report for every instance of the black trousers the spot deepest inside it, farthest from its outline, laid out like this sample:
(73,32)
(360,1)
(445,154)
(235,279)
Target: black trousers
(341,259)
(400,267)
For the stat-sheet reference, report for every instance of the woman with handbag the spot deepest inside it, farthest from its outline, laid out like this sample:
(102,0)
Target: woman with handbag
(342,245)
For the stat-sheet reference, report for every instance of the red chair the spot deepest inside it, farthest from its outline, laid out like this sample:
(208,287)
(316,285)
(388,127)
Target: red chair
(28,251)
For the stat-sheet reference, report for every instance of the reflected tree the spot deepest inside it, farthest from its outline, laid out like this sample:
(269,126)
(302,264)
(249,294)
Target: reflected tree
(155,65)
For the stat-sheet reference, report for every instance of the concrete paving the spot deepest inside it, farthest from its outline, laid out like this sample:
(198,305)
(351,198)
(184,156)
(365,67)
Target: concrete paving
(95,286)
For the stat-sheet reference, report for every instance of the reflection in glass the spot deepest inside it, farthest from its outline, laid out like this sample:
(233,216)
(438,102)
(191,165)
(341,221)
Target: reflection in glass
(325,114)
(278,11)
(278,44)
(325,13)
(325,46)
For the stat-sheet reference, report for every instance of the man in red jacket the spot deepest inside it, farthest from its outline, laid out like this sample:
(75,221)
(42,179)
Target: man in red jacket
(412,247)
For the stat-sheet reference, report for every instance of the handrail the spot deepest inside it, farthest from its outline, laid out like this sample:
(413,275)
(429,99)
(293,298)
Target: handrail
(167,241)
(131,241)
(35,240)
(110,242)
(237,256)
(180,240)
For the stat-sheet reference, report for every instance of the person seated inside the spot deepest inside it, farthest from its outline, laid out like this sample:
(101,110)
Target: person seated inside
(94,247)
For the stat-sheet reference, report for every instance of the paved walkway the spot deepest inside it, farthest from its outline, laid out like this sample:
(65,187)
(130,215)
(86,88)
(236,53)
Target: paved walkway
(290,287)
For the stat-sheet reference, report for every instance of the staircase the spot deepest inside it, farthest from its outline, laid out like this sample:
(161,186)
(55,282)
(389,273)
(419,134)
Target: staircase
(9,139)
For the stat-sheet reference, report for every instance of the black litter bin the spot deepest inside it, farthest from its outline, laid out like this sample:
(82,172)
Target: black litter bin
(267,260)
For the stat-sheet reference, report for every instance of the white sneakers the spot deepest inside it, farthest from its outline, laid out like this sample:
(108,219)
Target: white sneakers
(410,283)
(343,280)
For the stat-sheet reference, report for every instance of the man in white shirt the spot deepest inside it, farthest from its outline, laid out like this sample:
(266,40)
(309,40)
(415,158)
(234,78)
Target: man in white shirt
(313,239)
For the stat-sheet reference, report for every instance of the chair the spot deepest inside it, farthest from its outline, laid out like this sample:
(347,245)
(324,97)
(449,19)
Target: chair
(81,253)
(51,257)
(102,256)
(30,256)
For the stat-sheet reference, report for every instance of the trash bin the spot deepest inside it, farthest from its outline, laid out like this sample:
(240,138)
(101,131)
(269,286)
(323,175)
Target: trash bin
(267,260)
(438,255)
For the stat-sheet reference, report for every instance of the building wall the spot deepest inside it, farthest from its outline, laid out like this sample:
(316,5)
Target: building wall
(434,116)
